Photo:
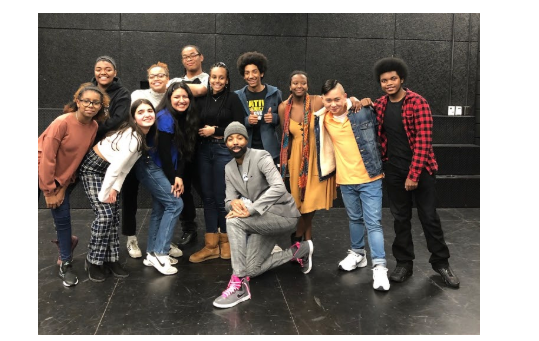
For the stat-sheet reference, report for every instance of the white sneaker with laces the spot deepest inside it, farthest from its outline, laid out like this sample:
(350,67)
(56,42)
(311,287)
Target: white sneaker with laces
(145,261)
(161,263)
(353,260)
(175,251)
(133,249)
(379,275)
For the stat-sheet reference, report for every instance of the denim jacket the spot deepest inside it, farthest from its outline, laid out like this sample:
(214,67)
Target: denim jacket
(364,127)
(270,139)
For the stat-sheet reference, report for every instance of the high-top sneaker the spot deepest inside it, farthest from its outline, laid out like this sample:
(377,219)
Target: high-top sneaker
(303,254)
(237,291)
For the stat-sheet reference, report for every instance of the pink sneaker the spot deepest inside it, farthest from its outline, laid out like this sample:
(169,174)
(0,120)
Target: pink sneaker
(237,291)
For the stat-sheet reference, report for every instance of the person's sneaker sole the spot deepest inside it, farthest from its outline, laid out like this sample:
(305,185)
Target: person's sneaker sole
(158,267)
(70,285)
(173,261)
(243,299)
(309,266)
(361,264)
(88,272)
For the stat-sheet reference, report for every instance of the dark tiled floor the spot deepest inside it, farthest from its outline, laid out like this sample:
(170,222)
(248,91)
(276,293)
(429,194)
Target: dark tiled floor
(326,301)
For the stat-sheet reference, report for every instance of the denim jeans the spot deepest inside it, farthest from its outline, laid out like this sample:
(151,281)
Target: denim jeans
(212,159)
(166,208)
(363,204)
(62,223)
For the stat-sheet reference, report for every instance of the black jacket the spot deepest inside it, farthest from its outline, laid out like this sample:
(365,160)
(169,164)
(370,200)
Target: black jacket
(120,103)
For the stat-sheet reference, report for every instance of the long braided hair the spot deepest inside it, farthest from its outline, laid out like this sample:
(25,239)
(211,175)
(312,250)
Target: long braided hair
(306,123)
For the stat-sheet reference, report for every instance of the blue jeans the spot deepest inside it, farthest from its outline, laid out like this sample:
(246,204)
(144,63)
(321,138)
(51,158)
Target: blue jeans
(166,208)
(364,207)
(212,159)
(62,223)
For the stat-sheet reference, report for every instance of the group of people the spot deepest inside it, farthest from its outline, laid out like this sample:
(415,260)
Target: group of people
(195,132)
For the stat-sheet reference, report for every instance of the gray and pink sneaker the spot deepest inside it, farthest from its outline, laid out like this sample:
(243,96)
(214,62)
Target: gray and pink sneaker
(237,291)
(303,254)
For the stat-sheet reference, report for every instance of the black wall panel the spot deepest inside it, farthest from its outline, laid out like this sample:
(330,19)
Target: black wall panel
(453,129)
(169,22)
(435,26)
(62,67)
(102,21)
(353,26)
(457,159)
(262,24)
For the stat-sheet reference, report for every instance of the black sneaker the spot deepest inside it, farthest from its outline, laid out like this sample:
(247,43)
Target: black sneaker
(67,274)
(401,274)
(187,237)
(303,254)
(449,277)
(117,270)
(96,273)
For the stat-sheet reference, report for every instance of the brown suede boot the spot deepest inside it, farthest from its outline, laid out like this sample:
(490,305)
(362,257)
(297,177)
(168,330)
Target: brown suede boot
(210,250)
(224,245)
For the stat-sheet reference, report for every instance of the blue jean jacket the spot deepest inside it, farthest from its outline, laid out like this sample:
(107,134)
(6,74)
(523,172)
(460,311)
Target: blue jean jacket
(364,128)
(270,139)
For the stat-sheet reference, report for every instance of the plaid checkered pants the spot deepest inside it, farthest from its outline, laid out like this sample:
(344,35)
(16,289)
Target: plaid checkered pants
(104,243)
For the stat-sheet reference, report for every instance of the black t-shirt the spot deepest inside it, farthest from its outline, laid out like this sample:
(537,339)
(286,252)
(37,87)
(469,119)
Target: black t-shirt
(398,148)
(255,102)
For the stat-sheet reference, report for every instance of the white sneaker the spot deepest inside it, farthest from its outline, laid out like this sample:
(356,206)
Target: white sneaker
(175,251)
(161,263)
(353,260)
(133,249)
(145,261)
(379,275)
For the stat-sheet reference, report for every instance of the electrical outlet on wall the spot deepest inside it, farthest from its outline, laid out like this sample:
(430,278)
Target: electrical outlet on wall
(451,110)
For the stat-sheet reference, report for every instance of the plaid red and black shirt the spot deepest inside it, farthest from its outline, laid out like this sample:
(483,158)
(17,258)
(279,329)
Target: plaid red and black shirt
(417,120)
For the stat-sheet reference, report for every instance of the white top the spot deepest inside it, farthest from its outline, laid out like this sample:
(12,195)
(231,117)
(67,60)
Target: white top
(122,154)
(202,76)
(149,94)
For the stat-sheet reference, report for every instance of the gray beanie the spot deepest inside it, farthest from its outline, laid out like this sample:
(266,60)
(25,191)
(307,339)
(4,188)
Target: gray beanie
(106,59)
(236,128)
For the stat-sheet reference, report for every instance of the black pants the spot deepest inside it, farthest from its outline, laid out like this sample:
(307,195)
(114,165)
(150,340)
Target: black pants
(401,202)
(129,203)
(190,180)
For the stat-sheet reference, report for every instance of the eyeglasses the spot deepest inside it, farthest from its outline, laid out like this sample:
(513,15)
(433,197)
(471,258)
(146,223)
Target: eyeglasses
(159,75)
(191,56)
(87,103)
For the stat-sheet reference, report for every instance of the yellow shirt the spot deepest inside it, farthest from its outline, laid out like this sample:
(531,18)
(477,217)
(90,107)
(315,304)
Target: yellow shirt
(349,163)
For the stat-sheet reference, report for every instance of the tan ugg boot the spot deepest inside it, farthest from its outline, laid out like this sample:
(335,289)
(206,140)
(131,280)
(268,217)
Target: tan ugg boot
(210,250)
(224,245)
